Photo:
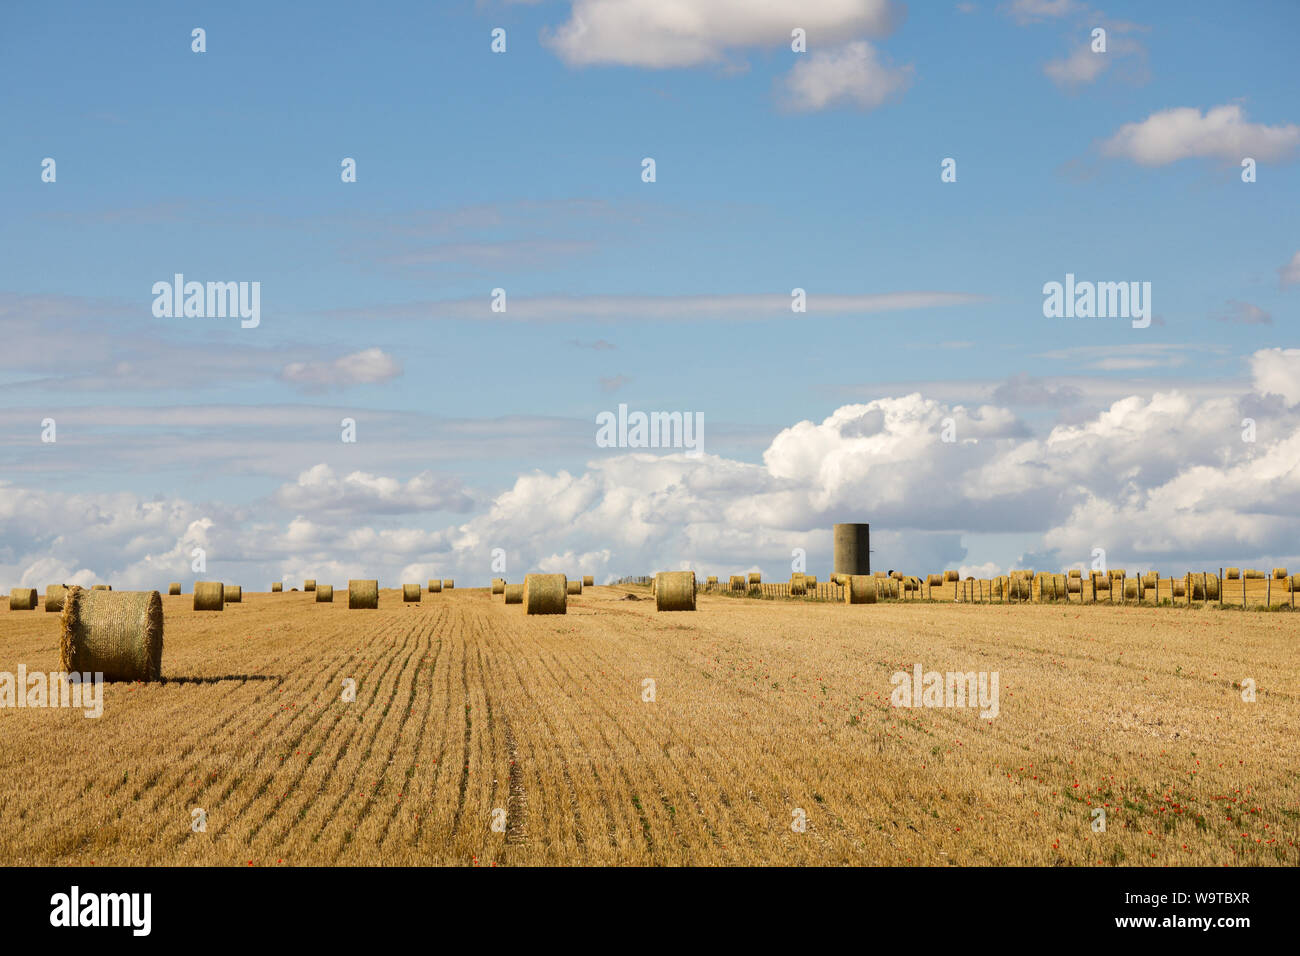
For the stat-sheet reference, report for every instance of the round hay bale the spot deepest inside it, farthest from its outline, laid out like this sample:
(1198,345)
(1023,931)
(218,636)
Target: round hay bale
(810,581)
(55,595)
(1076,573)
(309,584)
(574,586)
(1290,584)
(209,596)
(119,635)
(234,594)
(363,595)
(950,576)
(1252,575)
(102,587)
(514,594)
(1179,588)
(435,587)
(588,580)
(1118,574)
(1074,585)
(1100,583)
(1232,574)
(498,585)
(1150,579)
(22,599)
(1279,574)
(737,582)
(448,584)
(711,582)
(798,585)
(325,594)
(755,578)
(934,580)
(675,591)
(546,594)
(890,586)
(1204,587)
(1131,589)
(911,584)
(174,588)
(410,592)
(861,589)
(276,587)
(1019,588)
(896,575)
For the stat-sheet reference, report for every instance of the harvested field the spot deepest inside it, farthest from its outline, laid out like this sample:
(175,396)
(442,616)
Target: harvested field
(761,708)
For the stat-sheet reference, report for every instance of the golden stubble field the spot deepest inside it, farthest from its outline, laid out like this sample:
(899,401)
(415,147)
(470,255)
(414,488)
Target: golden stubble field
(466,707)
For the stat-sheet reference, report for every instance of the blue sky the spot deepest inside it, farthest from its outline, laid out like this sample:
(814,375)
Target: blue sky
(522,171)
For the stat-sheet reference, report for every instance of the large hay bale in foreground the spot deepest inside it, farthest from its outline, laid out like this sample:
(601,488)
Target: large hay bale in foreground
(410,592)
(588,580)
(174,588)
(498,585)
(675,591)
(277,587)
(575,586)
(234,594)
(435,586)
(309,584)
(55,595)
(209,596)
(448,584)
(363,595)
(514,594)
(737,582)
(119,635)
(22,599)
(798,585)
(325,594)
(546,594)
(861,589)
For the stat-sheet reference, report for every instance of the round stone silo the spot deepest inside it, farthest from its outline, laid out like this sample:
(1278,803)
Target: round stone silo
(853,549)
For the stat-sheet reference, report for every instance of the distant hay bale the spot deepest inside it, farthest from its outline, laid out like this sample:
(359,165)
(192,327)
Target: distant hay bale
(840,578)
(810,581)
(911,584)
(1150,579)
(890,588)
(934,580)
(22,599)
(861,589)
(448,584)
(234,594)
(1100,582)
(1117,573)
(325,594)
(410,592)
(1130,588)
(1206,589)
(575,586)
(1291,583)
(675,591)
(363,595)
(174,588)
(498,585)
(435,587)
(896,575)
(950,576)
(1074,585)
(276,587)
(1279,574)
(588,580)
(1252,575)
(102,587)
(546,594)
(755,578)
(119,635)
(1076,573)
(1232,574)
(737,582)
(798,585)
(711,582)
(309,584)
(209,596)
(514,594)
(55,595)
(1179,588)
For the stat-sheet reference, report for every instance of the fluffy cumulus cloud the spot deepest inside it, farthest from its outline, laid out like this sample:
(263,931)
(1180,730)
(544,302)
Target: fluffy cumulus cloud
(1163,479)
(854,75)
(1222,132)
(680,33)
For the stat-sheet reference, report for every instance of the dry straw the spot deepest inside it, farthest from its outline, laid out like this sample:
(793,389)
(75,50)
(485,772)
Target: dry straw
(363,595)
(950,576)
(737,582)
(309,584)
(1253,575)
(410,592)
(276,587)
(711,582)
(1130,588)
(861,589)
(325,594)
(933,580)
(1073,585)
(118,635)
(1076,573)
(209,596)
(234,594)
(1150,579)
(1279,574)
(675,591)
(448,584)
(22,599)
(498,585)
(55,595)
(574,586)
(798,585)
(435,587)
(174,588)
(588,580)
(1204,587)
(1232,574)
(755,578)
(546,593)
(514,594)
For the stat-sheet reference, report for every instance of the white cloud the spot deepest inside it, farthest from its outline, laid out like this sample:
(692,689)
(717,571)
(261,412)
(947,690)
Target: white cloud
(367,367)
(1277,372)
(1081,66)
(1289,274)
(1032,11)
(320,489)
(852,75)
(678,33)
(1185,133)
